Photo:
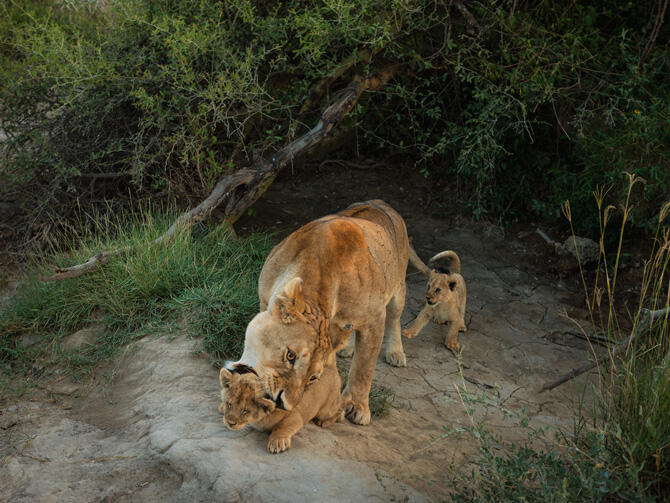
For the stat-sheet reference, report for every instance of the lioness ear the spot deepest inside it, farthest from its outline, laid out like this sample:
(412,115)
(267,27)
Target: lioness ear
(224,377)
(290,303)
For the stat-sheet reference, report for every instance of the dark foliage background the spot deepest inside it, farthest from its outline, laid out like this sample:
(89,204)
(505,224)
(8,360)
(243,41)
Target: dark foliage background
(523,104)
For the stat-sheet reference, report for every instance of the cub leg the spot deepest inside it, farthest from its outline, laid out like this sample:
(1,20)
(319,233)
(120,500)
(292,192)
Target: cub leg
(348,350)
(394,353)
(356,394)
(421,321)
(451,341)
(280,437)
(332,411)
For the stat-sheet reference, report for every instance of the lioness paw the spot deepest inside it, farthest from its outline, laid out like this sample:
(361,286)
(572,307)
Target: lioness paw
(396,358)
(358,414)
(279,444)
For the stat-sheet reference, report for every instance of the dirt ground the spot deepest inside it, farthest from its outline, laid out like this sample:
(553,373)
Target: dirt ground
(146,428)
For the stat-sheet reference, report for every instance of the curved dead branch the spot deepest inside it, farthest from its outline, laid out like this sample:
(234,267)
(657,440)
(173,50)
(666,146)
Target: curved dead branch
(242,188)
(647,319)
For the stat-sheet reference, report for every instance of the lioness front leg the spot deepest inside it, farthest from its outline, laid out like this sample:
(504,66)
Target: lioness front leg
(357,393)
(280,438)
(420,321)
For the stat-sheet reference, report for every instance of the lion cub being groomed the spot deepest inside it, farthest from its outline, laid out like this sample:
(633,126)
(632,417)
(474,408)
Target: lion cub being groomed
(243,402)
(445,298)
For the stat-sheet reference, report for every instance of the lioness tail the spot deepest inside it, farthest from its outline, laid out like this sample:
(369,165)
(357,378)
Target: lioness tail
(417,262)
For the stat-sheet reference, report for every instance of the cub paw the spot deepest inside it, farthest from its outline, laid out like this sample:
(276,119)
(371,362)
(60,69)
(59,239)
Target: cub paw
(453,346)
(278,444)
(409,333)
(396,358)
(346,352)
(357,413)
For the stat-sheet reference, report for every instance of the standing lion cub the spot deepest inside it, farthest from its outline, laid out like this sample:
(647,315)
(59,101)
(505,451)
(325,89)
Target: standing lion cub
(445,298)
(243,402)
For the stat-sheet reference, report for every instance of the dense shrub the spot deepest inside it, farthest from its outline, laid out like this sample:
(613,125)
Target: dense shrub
(522,104)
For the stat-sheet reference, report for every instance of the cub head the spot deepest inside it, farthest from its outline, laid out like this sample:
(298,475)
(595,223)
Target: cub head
(243,400)
(440,287)
(286,346)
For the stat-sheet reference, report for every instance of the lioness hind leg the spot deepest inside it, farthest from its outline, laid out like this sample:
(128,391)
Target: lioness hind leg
(394,353)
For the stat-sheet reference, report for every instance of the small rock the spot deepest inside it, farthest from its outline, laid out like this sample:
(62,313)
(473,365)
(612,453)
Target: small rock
(64,388)
(7,422)
(28,340)
(85,336)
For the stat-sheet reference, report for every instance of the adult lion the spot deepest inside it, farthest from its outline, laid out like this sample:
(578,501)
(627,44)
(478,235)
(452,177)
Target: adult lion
(339,274)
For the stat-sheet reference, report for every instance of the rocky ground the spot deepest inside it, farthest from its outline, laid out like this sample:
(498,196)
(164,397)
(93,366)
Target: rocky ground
(146,428)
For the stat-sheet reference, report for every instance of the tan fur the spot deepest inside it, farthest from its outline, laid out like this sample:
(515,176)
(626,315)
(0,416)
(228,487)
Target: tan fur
(446,296)
(243,402)
(343,270)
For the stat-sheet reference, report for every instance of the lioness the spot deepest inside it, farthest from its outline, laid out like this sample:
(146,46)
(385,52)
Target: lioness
(243,402)
(446,296)
(342,270)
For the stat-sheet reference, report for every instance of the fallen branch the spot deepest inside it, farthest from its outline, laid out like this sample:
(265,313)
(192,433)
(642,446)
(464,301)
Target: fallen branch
(242,188)
(647,319)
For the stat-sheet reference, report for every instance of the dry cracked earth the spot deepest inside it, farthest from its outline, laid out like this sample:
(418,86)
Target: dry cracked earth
(147,427)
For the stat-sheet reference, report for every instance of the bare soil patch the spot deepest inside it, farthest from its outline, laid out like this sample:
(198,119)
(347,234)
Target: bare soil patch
(147,427)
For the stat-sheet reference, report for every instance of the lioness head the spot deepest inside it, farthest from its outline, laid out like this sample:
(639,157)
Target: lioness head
(286,346)
(242,399)
(440,287)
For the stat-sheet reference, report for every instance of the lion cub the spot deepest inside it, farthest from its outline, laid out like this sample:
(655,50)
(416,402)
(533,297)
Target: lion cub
(445,299)
(243,402)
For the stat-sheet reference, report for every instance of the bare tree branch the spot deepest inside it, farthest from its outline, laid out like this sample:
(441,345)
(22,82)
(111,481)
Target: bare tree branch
(242,188)
(647,319)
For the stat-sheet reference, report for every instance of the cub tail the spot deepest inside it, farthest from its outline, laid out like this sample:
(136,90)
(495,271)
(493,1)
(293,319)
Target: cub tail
(446,262)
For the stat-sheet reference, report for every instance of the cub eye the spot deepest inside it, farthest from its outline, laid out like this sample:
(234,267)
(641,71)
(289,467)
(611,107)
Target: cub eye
(313,378)
(229,404)
(290,356)
(438,290)
(245,412)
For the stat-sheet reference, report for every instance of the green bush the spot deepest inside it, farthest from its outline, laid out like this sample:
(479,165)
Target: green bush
(537,102)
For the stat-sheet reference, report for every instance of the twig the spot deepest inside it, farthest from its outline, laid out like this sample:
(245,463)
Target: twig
(472,22)
(546,238)
(648,318)
(255,179)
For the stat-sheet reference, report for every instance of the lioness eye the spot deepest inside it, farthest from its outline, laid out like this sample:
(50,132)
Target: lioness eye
(290,356)
(245,412)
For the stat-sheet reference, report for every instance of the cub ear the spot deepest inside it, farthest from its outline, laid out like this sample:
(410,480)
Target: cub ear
(452,285)
(266,405)
(290,303)
(224,377)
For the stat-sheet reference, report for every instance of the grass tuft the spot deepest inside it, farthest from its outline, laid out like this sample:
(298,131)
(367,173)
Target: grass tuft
(209,283)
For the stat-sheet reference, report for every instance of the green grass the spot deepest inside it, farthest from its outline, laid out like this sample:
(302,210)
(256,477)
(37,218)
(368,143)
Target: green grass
(621,450)
(206,286)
